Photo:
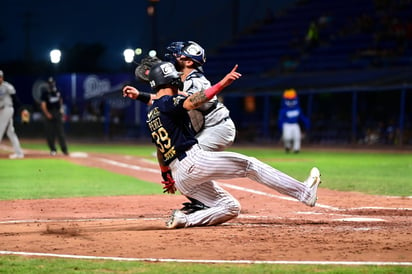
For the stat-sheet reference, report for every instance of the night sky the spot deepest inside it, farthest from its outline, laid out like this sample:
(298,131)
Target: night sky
(34,27)
(41,25)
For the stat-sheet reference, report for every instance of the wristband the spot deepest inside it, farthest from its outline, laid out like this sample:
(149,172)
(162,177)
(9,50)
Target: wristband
(144,97)
(164,168)
(213,90)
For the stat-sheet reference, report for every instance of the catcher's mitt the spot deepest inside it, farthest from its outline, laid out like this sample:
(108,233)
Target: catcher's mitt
(143,68)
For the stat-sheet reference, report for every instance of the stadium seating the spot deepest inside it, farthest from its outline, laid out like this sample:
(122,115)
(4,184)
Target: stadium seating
(275,54)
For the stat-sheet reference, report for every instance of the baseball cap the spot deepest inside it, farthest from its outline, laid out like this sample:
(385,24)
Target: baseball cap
(290,94)
(1,73)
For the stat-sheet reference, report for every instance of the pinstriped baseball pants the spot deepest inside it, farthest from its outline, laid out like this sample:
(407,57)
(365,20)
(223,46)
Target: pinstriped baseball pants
(195,173)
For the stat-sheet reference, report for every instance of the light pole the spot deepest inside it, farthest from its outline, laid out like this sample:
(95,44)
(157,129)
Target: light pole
(151,11)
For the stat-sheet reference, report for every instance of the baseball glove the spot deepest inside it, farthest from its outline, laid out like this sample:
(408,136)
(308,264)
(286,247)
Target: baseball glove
(25,116)
(143,68)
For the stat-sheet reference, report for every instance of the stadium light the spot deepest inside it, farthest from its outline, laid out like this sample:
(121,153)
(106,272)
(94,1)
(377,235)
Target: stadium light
(138,51)
(152,53)
(128,55)
(55,56)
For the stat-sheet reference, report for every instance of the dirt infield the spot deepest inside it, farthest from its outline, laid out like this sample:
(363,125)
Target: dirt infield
(343,227)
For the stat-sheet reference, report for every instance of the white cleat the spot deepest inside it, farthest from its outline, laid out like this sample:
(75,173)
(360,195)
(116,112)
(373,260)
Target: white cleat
(176,220)
(16,156)
(312,182)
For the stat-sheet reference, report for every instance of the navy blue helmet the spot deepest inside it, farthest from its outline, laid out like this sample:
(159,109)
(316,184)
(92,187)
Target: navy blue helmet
(188,49)
(164,74)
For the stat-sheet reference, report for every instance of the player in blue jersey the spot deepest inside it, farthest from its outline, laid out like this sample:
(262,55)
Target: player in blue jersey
(194,168)
(214,129)
(290,115)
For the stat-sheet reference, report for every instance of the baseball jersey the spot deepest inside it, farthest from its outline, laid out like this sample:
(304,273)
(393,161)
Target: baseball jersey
(292,115)
(52,99)
(213,110)
(6,92)
(170,127)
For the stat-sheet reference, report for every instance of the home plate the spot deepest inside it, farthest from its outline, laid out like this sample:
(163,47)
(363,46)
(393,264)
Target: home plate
(361,220)
(79,154)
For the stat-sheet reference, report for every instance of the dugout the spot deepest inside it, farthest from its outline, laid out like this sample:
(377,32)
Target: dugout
(348,115)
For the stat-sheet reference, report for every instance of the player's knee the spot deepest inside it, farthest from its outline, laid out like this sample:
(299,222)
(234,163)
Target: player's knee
(234,208)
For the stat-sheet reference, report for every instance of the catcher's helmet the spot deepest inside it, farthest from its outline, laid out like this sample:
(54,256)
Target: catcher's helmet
(189,49)
(164,74)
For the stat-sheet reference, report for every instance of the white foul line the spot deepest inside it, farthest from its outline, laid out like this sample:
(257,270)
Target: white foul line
(152,170)
(204,261)
(4,252)
(134,167)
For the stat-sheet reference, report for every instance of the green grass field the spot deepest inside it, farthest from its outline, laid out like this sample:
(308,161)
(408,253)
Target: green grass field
(368,172)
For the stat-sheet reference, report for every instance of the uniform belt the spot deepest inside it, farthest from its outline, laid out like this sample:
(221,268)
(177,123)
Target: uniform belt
(181,156)
(220,121)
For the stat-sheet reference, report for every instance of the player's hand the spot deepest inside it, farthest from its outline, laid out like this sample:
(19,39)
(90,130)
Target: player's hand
(168,181)
(169,185)
(131,92)
(230,77)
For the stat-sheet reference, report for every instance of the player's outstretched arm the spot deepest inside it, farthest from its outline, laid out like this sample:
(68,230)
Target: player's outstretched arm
(134,93)
(199,98)
(131,92)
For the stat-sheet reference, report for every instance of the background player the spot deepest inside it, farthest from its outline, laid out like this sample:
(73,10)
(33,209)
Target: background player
(290,115)
(7,99)
(194,168)
(51,105)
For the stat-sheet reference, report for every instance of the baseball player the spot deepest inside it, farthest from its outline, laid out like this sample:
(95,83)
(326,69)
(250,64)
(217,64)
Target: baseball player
(215,130)
(51,105)
(194,168)
(7,97)
(290,114)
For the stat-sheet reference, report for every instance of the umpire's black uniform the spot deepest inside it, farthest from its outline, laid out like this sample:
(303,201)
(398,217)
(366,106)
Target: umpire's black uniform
(51,103)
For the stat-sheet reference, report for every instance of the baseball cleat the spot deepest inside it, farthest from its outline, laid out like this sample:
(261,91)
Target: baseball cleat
(192,206)
(16,156)
(176,220)
(312,182)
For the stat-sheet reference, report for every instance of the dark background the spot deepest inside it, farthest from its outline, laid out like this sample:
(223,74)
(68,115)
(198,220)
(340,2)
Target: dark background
(93,34)
(353,80)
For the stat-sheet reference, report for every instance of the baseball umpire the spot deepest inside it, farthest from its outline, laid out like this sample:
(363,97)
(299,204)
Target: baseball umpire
(51,105)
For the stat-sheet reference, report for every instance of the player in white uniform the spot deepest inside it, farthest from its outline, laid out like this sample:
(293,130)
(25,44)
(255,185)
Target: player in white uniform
(214,128)
(7,92)
(194,168)
(218,131)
